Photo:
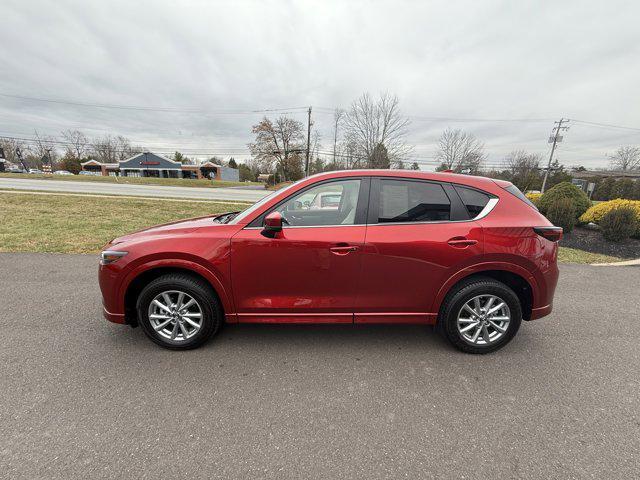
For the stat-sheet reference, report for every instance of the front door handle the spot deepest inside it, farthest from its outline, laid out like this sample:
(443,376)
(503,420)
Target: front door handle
(343,249)
(461,242)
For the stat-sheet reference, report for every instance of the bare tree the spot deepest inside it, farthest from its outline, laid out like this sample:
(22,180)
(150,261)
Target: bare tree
(338,117)
(278,146)
(314,151)
(111,149)
(11,147)
(44,148)
(77,144)
(626,158)
(460,151)
(349,155)
(523,169)
(373,125)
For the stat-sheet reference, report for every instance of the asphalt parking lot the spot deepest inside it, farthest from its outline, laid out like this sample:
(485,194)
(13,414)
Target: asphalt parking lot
(83,398)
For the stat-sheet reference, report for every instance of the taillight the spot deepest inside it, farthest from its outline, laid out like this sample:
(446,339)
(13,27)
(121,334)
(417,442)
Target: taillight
(550,233)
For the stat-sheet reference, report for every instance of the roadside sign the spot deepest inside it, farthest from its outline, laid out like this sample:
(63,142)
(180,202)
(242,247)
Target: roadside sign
(579,182)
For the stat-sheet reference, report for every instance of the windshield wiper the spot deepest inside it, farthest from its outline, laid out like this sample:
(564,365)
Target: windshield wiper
(225,217)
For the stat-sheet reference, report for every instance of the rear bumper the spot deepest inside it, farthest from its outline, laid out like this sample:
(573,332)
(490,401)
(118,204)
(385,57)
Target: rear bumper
(541,312)
(113,317)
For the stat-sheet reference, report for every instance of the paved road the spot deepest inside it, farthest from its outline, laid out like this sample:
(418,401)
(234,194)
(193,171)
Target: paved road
(227,194)
(81,398)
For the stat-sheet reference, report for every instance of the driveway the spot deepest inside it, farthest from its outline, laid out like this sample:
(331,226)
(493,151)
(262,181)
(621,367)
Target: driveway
(82,398)
(227,194)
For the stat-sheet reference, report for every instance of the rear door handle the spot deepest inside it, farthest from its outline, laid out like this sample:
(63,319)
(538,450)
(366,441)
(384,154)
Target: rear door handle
(461,242)
(343,249)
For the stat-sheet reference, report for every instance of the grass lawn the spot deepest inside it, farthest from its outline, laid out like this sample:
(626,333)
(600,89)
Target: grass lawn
(573,255)
(83,224)
(170,182)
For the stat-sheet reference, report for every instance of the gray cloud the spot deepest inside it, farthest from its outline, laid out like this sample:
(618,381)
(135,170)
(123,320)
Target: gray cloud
(452,61)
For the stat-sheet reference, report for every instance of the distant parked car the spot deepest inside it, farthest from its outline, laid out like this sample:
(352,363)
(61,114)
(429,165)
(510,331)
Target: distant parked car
(35,171)
(469,254)
(14,170)
(62,172)
(85,172)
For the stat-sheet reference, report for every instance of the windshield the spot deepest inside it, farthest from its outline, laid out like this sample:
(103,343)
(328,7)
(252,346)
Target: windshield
(244,214)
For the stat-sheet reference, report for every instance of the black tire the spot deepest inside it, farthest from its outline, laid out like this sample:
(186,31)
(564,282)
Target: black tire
(198,290)
(467,290)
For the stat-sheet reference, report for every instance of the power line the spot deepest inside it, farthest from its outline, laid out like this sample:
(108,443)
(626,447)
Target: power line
(605,125)
(327,110)
(150,108)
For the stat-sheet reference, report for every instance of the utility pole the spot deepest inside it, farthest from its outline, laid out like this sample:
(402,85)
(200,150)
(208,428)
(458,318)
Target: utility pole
(19,155)
(555,138)
(306,162)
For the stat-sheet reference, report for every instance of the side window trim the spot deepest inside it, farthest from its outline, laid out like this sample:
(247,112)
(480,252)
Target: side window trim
(458,210)
(361,207)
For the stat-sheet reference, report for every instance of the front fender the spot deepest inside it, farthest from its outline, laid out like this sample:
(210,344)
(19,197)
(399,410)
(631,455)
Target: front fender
(185,262)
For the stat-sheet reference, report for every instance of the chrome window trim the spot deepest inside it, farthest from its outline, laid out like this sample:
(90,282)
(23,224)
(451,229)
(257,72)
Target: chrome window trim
(485,211)
(487,208)
(284,227)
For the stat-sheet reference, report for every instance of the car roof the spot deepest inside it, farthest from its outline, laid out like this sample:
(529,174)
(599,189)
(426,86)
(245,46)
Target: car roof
(470,180)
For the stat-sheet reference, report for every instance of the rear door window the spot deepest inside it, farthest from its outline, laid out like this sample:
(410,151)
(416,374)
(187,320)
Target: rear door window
(412,201)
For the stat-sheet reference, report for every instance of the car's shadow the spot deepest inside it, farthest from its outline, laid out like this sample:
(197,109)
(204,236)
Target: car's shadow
(329,337)
(307,336)
(335,335)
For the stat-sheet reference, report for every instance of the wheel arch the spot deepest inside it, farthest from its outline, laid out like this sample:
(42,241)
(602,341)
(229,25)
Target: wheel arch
(517,278)
(140,277)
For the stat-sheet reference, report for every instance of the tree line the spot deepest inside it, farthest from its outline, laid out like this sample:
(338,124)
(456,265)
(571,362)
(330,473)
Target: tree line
(371,133)
(77,148)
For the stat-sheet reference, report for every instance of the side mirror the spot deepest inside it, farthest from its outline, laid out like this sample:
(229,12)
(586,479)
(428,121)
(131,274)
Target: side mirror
(272,224)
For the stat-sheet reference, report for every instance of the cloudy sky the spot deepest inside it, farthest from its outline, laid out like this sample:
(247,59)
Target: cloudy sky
(196,72)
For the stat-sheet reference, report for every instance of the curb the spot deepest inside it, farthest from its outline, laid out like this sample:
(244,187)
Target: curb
(626,263)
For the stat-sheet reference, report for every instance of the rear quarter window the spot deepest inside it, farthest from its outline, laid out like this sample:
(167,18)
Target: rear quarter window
(473,200)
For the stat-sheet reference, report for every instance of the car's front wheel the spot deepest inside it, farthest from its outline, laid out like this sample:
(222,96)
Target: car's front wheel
(178,311)
(480,316)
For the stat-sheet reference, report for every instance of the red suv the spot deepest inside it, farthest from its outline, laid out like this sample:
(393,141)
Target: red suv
(469,254)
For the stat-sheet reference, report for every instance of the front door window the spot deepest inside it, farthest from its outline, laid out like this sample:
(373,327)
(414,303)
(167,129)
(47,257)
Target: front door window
(332,203)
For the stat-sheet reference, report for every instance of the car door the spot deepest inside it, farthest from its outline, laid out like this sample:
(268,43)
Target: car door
(309,271)
(418,233)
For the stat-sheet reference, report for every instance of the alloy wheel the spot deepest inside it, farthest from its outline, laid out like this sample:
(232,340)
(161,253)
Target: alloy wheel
(175,315)
(483,320)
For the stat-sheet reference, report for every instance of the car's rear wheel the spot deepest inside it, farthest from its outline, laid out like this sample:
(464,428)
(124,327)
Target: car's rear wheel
(178,311)
(481,315)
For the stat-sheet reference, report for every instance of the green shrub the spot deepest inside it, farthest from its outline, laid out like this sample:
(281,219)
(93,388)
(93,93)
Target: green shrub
(535,198)
(562,213)
(565,190)
(619,224)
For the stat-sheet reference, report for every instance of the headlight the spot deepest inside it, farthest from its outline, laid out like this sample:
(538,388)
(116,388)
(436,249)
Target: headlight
(110,256)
